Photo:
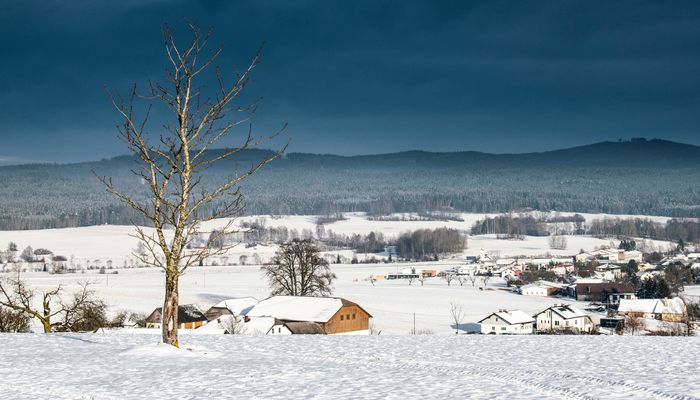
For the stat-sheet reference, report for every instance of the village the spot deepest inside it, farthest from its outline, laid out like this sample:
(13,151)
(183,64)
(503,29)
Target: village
(624,292)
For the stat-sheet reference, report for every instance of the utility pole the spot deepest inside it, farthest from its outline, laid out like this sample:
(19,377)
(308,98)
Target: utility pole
(414,323)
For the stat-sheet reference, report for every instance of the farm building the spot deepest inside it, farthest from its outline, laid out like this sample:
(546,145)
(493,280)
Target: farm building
(541,288)
(189,316)
(672,310)
(236,307)
(506,322)
(606,292)
(334,315)
(563,318)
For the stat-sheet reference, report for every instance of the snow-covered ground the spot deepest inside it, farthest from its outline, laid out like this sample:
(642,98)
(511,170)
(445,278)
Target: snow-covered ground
(106,244)
(122,366)
(392,303)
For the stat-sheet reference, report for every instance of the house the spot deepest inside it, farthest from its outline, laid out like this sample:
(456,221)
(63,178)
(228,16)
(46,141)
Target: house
(535,289)
(506,322)
(563,318)
(606,292)
(542,288)
(236,307)
(189,316)
(406,273)
(609,271)
(672,310)
(333,314)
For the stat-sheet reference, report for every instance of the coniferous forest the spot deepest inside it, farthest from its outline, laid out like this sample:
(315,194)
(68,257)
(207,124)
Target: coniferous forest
(645,177)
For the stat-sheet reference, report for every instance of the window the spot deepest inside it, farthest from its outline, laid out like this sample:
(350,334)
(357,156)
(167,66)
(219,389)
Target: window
(353,316)
(493,328)
(342,317)
(556,323)
(503,328)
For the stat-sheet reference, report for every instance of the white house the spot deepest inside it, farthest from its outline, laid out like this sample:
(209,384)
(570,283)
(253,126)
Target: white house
(662,309)
(563,318)
(534,289)
(506,322)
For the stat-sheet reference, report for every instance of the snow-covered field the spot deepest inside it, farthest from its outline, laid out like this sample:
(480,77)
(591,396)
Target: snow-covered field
(391,303)
(100,245)
(122,366)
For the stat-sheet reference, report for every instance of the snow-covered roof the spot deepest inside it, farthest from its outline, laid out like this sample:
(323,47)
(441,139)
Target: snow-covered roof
(566,311)
(653,306)
(513,317)
(297,308)
(259,325)
(238,306)
(532,286)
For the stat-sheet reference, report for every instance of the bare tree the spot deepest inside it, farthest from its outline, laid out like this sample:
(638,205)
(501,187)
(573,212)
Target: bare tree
(421,279)
(449,277)
(457,314)
(472,278)
(634,323)
(372,279)
(485,279)
(172,166)
(298,270)
(557,242)
(17,296)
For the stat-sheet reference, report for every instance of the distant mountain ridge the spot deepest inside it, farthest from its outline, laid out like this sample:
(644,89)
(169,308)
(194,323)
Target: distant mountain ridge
(633,153)
(628,153)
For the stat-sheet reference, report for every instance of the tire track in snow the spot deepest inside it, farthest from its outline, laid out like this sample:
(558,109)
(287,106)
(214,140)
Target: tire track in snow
(511,375)
(563,393)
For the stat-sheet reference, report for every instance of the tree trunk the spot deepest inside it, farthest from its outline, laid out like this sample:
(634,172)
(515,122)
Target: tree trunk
(170,307)
(47,325)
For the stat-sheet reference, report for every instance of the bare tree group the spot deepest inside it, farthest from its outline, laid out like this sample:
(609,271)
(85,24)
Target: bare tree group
(172,161)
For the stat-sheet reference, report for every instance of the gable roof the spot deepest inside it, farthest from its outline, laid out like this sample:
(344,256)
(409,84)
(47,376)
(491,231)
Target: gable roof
(512,317)
(566,311)
(185,313)
(653,306)
(238,306)
(609,287)
(299,308)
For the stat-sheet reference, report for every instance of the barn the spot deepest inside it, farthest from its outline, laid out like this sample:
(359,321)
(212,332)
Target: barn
(333,315)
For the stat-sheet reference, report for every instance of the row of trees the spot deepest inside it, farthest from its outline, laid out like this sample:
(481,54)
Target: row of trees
(674,230)
(429,244)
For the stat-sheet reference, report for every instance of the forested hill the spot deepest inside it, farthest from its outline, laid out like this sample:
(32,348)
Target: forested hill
(631,154)
(631,177)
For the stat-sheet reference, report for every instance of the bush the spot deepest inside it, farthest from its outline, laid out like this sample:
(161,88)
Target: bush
(12,321)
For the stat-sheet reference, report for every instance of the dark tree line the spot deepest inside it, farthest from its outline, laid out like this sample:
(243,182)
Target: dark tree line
(674,230)
(425,243)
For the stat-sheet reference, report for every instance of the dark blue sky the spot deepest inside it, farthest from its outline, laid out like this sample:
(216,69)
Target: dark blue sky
(366,77)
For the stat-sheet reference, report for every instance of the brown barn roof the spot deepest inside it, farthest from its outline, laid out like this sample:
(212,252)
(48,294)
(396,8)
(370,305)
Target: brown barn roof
(348,303)
(609,287)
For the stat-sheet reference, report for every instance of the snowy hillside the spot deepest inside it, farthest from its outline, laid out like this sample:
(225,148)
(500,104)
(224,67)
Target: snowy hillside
(112,244)
(122,366)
